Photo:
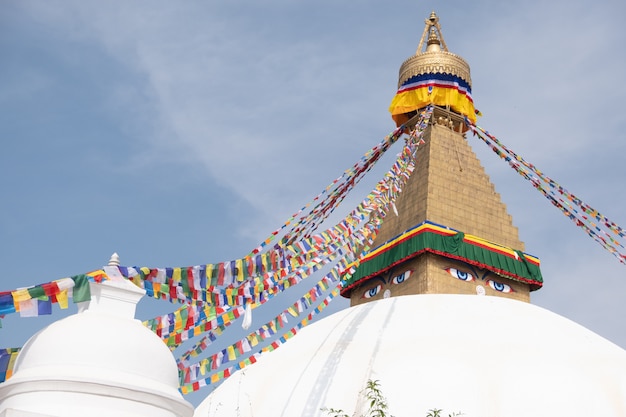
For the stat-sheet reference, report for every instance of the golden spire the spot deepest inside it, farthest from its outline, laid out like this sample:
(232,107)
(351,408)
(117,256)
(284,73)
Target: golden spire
(436,59)
(448,197)
(433,76)
(433,30)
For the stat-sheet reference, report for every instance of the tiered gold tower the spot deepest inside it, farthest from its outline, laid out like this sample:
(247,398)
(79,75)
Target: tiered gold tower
(453,234)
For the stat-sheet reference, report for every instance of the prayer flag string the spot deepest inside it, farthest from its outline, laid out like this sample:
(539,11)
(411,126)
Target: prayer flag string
(336,190)
(604,231)
(213,296)
(195,376)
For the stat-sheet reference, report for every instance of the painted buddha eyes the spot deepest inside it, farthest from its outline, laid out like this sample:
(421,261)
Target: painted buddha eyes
(498,286)
(462,275)
(468,276)
(399,279)
(372,291)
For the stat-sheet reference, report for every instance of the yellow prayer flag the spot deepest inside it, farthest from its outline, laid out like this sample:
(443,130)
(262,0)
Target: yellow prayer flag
(292,311)
(176,274)
(20,295)
(203,366)
(230,350)
(239,270)
(253,340)
(62,299)
(178,321)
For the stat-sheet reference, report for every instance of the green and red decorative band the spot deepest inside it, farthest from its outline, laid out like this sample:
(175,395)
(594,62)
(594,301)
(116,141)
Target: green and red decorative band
(429,237)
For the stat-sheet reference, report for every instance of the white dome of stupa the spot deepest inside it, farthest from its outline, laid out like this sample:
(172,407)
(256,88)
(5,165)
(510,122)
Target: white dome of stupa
(99,362)
(482,356)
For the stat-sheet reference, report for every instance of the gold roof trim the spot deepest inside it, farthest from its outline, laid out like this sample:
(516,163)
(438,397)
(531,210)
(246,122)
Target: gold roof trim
(434,59)
(436,63)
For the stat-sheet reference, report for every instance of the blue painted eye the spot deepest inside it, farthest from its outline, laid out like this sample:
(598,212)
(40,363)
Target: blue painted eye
(462,275)
(498,286)
(372,291)
(399,279)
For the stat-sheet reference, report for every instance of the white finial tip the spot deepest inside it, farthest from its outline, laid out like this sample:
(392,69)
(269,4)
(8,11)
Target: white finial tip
(115,260)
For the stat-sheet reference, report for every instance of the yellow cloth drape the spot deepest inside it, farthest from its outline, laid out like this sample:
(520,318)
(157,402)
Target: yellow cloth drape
(408,101)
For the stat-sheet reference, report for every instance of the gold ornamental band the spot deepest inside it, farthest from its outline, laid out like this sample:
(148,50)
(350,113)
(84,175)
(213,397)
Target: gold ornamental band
(439,62)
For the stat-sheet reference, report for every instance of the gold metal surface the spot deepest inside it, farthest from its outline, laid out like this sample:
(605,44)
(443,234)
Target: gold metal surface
(435,59)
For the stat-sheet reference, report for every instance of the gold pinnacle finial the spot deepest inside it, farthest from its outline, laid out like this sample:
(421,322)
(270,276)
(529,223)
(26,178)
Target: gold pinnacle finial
(432,31)
(433,45)
(420,75)
(435,58)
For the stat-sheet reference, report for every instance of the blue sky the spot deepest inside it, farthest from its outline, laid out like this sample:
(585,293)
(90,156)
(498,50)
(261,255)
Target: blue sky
(184,133)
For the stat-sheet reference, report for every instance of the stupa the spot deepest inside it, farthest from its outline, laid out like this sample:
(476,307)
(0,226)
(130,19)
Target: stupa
(453,234)
(440,314)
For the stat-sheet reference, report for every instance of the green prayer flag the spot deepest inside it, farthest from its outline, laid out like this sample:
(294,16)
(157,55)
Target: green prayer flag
(36,292)
(81,288)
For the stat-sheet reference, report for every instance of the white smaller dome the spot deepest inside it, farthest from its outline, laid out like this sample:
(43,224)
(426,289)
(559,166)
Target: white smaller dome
(98,362)
(96,346)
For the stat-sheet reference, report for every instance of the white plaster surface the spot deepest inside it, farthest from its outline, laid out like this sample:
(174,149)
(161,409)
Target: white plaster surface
(482,356)
(99,362)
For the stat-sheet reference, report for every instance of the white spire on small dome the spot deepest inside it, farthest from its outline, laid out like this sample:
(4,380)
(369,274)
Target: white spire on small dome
(116,296)
(114,260)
